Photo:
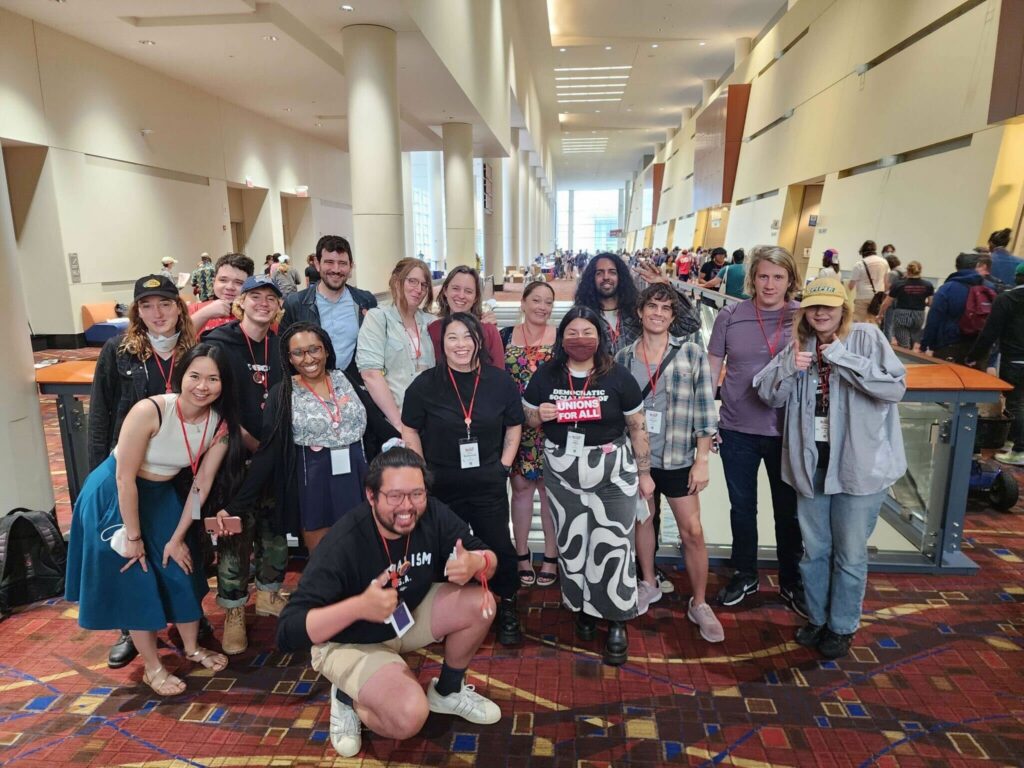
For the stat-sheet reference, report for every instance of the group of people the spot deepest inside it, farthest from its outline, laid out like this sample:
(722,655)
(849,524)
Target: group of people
(388,438)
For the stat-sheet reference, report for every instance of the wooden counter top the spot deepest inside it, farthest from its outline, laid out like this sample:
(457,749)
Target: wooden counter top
(71,372)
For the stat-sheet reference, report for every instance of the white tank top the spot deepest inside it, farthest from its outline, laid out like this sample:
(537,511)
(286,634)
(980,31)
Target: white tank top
(166,454)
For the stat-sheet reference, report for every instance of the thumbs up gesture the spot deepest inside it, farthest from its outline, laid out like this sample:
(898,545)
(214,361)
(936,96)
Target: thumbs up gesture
(464,566)
(379,603)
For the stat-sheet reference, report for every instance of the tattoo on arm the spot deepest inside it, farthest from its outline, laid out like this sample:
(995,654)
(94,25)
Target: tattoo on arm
(533,418)
(637,425)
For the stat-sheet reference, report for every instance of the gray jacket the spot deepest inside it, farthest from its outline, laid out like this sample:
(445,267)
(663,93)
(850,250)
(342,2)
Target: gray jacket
(865,437)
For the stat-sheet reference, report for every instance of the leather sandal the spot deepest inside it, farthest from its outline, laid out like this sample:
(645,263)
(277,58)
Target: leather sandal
(547,578)
(164,683)
(527,578)
(211,660)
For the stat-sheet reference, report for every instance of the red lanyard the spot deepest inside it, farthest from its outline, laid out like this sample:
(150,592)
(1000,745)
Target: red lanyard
(617,330)
(402,565)
(193,461)
(414,340)
(657,371)
(467,414)
(586,384)
(778,331)
(526,338)
(259,376)
(824,372)
(334,414)
(165,376)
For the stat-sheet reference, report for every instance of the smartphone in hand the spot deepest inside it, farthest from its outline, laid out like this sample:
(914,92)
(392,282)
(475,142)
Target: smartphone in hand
(231,525)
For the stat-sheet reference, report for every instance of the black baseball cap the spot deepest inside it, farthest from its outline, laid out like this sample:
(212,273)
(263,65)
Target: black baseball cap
(155,285)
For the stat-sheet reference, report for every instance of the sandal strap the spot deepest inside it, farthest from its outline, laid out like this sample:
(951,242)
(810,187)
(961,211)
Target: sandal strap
(525,556)
(551,560)
(160,679)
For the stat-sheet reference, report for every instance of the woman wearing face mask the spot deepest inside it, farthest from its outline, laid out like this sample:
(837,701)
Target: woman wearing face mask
(462,291)
(154,577)
(593,472)
(132,366)
(527,347)
(465,419)
(840,384)
(311,457)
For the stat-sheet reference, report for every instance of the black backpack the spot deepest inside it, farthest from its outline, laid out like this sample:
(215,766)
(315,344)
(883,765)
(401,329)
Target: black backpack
(33,558)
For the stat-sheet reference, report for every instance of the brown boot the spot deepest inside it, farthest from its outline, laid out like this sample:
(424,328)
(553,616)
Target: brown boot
(234,641)
(270,603)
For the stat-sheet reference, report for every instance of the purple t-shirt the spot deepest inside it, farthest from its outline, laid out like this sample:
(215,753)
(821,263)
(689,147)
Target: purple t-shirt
(737,335)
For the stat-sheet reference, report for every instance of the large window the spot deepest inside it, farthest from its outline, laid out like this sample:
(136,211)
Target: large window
(427,234)
(594,214)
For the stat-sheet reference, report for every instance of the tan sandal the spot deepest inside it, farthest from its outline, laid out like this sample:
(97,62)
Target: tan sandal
(212,660)
(164,683)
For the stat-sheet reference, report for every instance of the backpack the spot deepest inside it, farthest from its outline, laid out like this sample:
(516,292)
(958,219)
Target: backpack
(977,309)
(33,558)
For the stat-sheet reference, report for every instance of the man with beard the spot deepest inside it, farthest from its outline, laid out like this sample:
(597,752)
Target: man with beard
(418,558)
(331,303)
(607,287)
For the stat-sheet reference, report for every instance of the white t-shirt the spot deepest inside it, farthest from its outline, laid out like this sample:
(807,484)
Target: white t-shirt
(859,274)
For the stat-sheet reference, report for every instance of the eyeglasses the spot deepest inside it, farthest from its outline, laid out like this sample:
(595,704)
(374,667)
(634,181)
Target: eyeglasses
(314,352)
(395,498)
(412,282)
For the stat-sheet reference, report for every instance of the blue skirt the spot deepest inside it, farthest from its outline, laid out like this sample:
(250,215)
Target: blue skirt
(324,497)
(134,599)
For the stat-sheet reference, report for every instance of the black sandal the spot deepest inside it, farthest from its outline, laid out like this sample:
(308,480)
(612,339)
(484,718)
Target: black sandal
(545,579)
(527,578)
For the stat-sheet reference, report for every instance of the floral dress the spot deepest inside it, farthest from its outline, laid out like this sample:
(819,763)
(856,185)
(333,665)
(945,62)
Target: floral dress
(522,362)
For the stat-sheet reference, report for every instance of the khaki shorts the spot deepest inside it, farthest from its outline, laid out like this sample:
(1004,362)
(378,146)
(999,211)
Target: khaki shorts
(349,666)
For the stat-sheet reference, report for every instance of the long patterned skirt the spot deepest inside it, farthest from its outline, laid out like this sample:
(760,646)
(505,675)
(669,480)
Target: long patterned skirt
(593,500)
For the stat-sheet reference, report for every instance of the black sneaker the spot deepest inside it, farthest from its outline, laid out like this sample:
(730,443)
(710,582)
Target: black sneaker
(795,599)
(834,646)
(739,586)
(809,635)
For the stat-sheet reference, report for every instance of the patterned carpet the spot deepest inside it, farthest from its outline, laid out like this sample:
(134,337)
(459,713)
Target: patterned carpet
(936,679)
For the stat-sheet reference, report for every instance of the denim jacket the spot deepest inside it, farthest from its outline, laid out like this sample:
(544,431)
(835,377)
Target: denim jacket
(865,436)
(119,383)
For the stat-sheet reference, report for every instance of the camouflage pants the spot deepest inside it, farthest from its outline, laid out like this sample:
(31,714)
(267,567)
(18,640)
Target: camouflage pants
(234,552)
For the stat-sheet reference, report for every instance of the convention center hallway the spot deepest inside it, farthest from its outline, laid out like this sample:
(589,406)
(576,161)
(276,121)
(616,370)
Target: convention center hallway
(935,678)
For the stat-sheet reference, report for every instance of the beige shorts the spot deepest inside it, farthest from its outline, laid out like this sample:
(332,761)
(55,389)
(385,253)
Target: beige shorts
(349,666)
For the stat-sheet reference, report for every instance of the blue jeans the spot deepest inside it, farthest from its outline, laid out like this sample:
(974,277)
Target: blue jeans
(835,564)
(742,454)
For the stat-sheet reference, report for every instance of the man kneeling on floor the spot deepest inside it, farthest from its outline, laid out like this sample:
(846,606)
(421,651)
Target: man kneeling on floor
(390,577)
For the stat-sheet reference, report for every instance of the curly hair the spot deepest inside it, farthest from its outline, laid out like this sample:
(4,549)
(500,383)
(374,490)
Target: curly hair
(661,292)
(136,339)
(625,293)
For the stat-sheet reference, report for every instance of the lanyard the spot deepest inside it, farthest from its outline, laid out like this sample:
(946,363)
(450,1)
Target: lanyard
(657,371)
(586,384)
(165,376)
(414,340)
(778,331)
(334,414)
(617,330)
(824,372)
(526,338)
(260,377)
(402,565)
(467,414)
(193,461)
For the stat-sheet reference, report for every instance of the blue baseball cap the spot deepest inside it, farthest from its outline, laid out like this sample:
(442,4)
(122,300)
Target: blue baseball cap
(261,281)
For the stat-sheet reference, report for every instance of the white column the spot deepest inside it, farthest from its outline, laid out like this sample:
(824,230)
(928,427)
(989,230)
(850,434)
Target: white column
(374,147)
(494,224)
(514,208)
(24,466)
(741,51)
(459,226)
(685,116)
(523,256)
(709,88)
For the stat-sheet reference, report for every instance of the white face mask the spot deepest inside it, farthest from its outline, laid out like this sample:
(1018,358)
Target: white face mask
(163,345)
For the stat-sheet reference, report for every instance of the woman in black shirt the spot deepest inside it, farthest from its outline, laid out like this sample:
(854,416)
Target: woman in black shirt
(586,402)
(910,297)
(465,417)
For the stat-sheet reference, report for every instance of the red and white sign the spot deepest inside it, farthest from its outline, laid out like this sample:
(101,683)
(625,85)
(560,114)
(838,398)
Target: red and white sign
(578,409)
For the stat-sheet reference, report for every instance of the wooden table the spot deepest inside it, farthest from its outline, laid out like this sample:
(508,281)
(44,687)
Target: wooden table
(70,381)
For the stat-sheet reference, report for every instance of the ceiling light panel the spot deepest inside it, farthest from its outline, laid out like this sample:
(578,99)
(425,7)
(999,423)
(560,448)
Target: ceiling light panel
(584,101)
(592,69)
(593,77)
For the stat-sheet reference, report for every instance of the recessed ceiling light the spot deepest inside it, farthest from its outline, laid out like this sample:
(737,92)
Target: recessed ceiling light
(147,42)
(347,8)
(629,109)
(287,109)
(607,47)
(654,45)
(270,38)
(702,42)
(561,50)
(597,110)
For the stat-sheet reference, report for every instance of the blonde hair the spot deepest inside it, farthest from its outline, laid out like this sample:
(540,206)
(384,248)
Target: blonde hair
(914,269)
(402,270)
(136,340)
(802,331)
(239,313)
(773,254)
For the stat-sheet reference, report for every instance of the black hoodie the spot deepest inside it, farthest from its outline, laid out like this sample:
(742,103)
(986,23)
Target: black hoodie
(1005,325)
(259,359)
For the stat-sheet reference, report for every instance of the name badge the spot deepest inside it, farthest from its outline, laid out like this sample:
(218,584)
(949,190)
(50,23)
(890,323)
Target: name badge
(821,429)
(193,500)
(578,409)
(574,440)
(341,461)
(653,421)
(469,453)
(401,620)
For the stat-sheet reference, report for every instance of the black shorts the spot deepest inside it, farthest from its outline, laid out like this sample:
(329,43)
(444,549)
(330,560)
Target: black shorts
(672,483)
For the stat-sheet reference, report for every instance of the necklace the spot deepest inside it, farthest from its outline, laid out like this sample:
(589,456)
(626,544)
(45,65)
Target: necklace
(260,376)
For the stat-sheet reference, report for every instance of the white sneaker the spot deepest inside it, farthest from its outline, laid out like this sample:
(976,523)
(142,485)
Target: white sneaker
(1011,456)
(346,728)
(663,582)
(705,619)
(467,704)
(646,596)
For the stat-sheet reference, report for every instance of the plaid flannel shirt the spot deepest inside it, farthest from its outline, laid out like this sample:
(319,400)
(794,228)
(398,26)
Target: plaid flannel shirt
(691,409)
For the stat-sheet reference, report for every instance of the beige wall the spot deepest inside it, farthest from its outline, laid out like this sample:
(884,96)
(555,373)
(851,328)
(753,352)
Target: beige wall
(121,199)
